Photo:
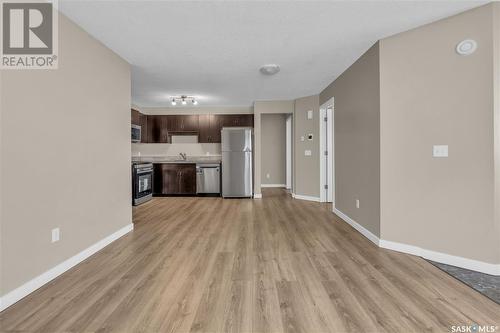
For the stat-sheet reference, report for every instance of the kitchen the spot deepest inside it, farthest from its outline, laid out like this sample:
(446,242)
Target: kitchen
(203,151)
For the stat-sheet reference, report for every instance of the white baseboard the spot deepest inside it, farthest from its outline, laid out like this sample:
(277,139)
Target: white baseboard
(273,185)
(257,196)
(305,197)
(32,285)
(362,230)
(448,259)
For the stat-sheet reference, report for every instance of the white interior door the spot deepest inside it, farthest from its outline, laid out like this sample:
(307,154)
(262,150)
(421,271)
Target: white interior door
(327,153)
(289,152)
(330,155)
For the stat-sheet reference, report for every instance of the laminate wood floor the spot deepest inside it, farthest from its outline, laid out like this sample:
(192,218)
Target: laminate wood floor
(270,265)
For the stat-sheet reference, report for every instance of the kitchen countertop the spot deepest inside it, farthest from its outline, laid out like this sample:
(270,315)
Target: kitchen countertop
(177,159)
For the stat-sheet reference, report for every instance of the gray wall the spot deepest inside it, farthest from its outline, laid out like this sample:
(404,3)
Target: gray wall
(431,95)
(260,108)
(273,135)
(496,90)
(65,156)
(357,139)
(306,168)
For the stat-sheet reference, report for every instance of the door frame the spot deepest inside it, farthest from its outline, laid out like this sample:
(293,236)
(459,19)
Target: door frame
(289,151)
(327,162)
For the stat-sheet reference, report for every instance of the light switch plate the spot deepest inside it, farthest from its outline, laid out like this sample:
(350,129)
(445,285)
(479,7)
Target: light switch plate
(307,153)
(440,151)
(310,114)
(55,235)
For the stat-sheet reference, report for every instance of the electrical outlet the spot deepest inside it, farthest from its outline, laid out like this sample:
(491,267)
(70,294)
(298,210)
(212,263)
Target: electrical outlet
(268,176)
(56,235)
(357,203)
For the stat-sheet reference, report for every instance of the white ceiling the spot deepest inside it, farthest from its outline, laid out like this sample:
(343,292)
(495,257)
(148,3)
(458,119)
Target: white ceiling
(213,49)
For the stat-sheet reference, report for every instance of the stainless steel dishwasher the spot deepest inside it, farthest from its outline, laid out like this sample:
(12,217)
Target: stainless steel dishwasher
(208,178)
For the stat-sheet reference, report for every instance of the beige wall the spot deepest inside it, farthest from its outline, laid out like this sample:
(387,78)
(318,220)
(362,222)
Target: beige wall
(306,168)
(431,95)
(65,150)
(496,64)
(264,107)
(273,136)
(357,139)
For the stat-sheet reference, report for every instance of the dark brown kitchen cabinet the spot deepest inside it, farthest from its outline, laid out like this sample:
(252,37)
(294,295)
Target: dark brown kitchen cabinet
(183,123)
(235,120)
(174,179)
(135,117)
(204,128)
(209,128)
(157,129)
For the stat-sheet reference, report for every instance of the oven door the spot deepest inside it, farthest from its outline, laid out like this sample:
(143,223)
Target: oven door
(144,182)
(143,185)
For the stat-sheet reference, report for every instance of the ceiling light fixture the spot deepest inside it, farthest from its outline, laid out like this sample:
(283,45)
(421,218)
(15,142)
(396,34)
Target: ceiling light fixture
(184,100)
(270,69)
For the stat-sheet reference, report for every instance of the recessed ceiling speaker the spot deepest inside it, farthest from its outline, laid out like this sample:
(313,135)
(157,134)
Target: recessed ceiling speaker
(270,69)
(466,47)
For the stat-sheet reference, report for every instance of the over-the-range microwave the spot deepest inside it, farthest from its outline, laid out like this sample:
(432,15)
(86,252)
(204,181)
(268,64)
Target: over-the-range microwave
(136,133)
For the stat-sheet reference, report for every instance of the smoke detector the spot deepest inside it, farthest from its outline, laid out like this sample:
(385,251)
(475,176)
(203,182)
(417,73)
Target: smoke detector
(466,47)
(270,69)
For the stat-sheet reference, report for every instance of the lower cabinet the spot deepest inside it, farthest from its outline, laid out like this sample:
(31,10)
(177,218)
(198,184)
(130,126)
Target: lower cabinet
(171,178)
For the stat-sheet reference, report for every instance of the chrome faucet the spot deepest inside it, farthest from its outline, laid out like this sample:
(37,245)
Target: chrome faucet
(183,156)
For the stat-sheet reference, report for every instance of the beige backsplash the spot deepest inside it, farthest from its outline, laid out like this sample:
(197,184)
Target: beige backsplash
(168,149)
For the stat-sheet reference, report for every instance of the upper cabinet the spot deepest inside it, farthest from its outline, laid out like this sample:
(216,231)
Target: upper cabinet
(183,123)
(210,127)
(159,128)
(236,120)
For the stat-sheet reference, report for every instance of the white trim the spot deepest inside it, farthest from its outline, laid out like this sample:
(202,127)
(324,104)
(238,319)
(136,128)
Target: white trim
(273,185)
(289,140)
(32,285)
(475,265)
(448,259)
(323,169)
(305,197)
(362,230)
(257,195)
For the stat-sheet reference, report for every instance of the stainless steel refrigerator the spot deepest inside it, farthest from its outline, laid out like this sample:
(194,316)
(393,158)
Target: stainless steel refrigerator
(237,166)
